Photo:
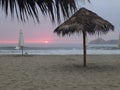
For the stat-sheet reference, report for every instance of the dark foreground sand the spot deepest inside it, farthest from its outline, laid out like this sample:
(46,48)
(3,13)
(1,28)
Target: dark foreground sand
(64,72)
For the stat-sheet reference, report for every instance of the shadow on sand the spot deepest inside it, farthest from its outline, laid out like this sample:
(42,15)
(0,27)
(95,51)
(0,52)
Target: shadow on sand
(91,67)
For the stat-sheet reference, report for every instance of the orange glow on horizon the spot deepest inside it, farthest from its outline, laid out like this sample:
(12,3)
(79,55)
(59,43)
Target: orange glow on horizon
(37,41)
(8,42)
(42,41)
(45,41)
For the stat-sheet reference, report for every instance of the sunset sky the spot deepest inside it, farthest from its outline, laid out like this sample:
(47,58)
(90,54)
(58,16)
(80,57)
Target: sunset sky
(43,32)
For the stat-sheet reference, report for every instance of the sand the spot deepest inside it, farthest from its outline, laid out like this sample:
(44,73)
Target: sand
(59,72)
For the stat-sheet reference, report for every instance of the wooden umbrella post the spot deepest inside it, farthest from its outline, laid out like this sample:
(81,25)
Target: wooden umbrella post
(84,48)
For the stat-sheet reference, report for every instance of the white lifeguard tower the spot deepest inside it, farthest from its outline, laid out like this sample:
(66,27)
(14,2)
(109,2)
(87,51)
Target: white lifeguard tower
(21,41)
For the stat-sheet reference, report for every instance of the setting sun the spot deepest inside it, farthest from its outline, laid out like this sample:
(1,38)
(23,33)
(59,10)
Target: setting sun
(46,41)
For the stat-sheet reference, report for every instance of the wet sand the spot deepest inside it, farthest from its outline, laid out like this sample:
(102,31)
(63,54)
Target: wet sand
(59,72)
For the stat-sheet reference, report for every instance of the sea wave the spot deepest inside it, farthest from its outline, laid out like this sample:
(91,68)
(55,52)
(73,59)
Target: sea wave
(91,49)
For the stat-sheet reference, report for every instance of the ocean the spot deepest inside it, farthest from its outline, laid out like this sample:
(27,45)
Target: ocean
(59,49)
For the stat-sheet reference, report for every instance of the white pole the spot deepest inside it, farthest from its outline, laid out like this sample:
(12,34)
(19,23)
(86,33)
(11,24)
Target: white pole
(119,41)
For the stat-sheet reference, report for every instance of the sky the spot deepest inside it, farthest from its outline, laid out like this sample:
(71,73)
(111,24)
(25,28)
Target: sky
(43,32)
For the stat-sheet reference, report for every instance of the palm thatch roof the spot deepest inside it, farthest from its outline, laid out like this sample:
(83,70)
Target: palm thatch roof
(84,20)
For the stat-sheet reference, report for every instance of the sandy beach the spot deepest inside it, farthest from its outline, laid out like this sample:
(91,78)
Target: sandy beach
(59,72)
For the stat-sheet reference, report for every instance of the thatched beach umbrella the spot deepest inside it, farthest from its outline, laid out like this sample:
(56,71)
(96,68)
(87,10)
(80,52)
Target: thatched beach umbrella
(86,22)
